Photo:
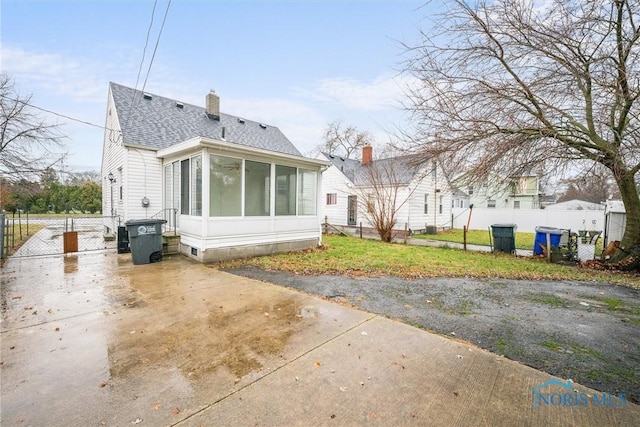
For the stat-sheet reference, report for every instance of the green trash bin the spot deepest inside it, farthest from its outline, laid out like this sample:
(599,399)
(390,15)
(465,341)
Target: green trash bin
(145,240)
(504,237)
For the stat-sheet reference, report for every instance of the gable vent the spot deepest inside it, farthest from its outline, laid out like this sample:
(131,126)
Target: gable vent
(147,96)
(241,121)
(263,126)
(179,105)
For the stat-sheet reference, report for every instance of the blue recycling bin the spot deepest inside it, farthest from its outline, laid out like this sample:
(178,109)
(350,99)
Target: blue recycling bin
(540,242)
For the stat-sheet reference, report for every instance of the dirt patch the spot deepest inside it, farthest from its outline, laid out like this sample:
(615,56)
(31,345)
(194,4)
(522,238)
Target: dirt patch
(235,340)
(586,331)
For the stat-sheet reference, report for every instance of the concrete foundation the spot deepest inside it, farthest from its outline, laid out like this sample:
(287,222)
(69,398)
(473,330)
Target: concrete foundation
(224,254)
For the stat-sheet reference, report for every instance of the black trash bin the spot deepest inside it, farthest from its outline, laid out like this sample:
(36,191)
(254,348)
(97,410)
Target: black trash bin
(123,240)
(145,240)
(504,237)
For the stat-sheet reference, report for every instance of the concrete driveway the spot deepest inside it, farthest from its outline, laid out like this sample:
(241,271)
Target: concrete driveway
(91,339)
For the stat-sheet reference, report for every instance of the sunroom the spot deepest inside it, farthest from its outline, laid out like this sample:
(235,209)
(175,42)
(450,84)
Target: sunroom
(233,201)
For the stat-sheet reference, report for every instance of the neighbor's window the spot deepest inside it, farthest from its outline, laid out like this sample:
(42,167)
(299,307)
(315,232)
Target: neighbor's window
(184,187)
(257,188)
(307,184)
(371,203)
(491,204)
(426,203)
(470,190)
(285,190)
(225,192)
(196,185)
(516,204)
(332,198)
(440,208)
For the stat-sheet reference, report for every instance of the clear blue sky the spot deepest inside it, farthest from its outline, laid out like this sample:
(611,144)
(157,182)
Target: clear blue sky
(295,65)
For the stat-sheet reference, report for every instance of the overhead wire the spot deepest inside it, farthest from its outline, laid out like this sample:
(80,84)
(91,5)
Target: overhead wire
(155,49)
(58,114)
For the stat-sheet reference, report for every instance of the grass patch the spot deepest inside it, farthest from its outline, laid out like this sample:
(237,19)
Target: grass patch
(459,308)
(555,345)
(18,235)
(477,237)
(345,255)
(614,304)
(548,300)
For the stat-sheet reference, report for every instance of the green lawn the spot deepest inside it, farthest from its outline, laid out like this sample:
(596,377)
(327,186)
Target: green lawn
(478,237)
(342,255)
(481,237)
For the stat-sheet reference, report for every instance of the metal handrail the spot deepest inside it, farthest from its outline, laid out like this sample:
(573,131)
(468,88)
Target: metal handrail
(169,215)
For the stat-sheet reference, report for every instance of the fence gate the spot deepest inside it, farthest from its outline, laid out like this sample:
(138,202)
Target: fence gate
(48,236)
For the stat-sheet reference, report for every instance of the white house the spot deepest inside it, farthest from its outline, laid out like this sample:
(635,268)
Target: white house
(521,193)
(423,199)
(576,205)
(239,187)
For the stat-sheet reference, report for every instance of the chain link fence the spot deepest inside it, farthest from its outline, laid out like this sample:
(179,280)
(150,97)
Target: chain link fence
(47,236)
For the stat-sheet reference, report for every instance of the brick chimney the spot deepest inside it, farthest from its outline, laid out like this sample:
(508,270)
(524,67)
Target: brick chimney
(367,154)
(213,105)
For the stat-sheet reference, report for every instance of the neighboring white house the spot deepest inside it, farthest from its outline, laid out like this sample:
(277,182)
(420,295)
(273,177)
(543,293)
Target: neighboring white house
(240,188)
(423,197)
(521,193)
(576,205)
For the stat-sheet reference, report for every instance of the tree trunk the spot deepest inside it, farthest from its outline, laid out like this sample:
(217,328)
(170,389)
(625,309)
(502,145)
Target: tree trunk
(629,255)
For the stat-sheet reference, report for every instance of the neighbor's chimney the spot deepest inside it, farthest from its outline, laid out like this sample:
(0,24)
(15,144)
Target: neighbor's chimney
(367,154)
(213,105)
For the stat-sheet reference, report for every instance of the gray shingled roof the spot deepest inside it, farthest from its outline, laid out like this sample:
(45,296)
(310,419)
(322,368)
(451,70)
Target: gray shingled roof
(158,123)
(403,169)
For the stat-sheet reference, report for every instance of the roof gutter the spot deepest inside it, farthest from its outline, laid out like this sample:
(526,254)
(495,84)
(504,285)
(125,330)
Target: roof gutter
(232,148)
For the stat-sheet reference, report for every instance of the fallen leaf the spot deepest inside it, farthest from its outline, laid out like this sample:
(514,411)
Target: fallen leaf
(175,411)
(343,389)
(456,393)
(317,364)
(102,385)
(156,406)
(57,329)
(137,421)
(373,415)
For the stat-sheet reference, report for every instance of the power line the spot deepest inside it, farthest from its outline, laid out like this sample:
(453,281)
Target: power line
(58,114)
(146,43)
(155,49)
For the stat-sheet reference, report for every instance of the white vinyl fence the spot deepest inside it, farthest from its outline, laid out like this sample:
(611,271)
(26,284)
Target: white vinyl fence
(527,220)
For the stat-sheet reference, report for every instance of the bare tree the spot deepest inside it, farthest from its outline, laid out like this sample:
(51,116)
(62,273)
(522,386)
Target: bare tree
(344,141)
(384,188)
(511,84)
(595,185)
(28,145)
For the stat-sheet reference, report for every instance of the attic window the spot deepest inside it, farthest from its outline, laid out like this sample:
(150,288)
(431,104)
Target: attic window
(179,105)
(241,121)
(263,126)
(147,96)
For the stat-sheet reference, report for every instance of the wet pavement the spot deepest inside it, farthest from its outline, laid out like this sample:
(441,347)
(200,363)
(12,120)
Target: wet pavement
(90,339)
